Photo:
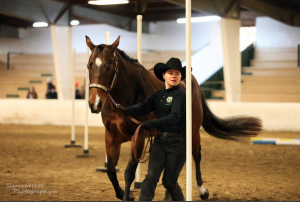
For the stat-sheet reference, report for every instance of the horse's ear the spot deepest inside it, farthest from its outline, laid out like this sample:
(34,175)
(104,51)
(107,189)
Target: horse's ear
(116,43)
(89,43)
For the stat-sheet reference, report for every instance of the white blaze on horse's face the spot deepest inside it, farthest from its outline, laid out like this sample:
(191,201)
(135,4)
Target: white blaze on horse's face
(96,101)
(98,62)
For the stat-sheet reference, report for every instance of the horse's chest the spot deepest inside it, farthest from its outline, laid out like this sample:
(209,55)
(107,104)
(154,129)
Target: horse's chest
(118,124)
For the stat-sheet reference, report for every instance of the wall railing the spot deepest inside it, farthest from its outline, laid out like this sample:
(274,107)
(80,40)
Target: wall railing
(8,58)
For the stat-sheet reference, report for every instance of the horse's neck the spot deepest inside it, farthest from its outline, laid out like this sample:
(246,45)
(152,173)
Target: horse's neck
(132,83)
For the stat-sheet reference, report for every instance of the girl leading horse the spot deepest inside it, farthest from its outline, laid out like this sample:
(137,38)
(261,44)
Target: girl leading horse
(117,78)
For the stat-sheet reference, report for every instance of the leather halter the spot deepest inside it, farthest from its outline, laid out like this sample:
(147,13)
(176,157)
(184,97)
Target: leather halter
(107,90)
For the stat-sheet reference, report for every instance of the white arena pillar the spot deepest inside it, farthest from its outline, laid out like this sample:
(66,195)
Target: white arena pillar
(232,58)
(61,53)
(138,182)
(188,56)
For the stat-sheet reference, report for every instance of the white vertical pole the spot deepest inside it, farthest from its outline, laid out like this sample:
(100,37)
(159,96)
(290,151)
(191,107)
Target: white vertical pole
(139,57)
(188,103)
(107,37)
(72,78)
(56,62)
(86,135)
(107,42)
(72,59)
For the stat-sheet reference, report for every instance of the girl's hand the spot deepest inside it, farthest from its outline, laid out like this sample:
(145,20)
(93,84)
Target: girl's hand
(146,125)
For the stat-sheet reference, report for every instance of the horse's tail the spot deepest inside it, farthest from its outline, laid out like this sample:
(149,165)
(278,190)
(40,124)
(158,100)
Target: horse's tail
(231,128)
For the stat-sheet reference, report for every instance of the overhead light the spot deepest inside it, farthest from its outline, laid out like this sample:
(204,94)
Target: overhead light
(40,24)
(108,2)
(74,22)
(200,19)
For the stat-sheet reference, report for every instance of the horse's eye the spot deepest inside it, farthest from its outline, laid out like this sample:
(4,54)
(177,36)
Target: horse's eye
(108,68)
(89,65)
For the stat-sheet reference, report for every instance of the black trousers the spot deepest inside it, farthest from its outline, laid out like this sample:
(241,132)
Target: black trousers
(168,154)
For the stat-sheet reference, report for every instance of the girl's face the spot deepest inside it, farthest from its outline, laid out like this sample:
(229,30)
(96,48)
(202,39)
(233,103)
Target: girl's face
(172,78)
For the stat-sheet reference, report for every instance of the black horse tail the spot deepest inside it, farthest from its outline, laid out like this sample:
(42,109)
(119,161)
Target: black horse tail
(232,128)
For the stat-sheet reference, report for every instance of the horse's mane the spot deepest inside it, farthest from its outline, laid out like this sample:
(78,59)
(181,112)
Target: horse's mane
(122,53)
(148,89)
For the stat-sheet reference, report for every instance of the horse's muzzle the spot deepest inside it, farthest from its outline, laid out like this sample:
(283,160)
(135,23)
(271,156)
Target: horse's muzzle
(95,109)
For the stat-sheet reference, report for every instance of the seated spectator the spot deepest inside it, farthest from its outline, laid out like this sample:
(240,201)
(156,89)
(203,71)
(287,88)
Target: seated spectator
(82,91)
(77,93)
(31,93)
(51,92)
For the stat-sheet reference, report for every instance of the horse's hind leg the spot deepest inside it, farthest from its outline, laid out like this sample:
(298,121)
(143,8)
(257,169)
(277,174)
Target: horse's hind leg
(196,150)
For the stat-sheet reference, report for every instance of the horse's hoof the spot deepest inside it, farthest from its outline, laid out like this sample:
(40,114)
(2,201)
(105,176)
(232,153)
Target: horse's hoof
(205,195)
(129,198)
(202,192)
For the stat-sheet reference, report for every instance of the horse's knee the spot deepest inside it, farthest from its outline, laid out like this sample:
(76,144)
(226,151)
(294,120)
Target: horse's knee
(111,171)
(129,174)
(197,154)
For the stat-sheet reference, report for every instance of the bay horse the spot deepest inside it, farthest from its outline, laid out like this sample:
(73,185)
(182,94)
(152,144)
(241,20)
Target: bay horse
(117,78)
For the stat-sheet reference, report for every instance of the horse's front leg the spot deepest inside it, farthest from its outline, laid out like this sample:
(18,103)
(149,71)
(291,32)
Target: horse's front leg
(196,151)
(113,153)
(131,167)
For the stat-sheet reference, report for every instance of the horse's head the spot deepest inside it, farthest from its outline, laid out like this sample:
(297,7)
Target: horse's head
(102,66)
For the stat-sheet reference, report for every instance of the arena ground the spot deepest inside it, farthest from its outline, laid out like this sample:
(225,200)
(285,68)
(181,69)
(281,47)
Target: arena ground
(35,166)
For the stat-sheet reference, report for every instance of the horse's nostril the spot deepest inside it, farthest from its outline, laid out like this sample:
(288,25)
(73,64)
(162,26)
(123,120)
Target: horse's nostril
(90,106)
(100,105)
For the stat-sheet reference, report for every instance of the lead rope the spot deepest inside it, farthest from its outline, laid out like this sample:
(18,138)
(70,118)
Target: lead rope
(135,136)
(123,108)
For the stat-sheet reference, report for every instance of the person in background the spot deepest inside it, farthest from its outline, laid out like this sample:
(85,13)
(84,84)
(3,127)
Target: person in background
(77,93)
(51,92)
(31,93)
(82,91)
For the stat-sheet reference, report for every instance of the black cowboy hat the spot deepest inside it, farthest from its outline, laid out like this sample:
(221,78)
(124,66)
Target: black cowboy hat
(173,63)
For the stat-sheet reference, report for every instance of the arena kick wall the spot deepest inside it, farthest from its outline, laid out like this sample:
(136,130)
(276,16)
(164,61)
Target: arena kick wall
(275,116)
